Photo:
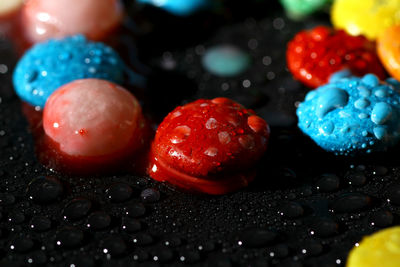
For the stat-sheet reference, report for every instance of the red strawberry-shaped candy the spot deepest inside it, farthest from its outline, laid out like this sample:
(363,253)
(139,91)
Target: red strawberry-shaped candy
(208,146)
(312,56)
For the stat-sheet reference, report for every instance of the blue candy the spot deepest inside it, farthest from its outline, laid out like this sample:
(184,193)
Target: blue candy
(51,64)
(225,60)
(179,7)
(352,115)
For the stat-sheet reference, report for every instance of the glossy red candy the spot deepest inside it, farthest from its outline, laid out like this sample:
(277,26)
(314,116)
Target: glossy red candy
(208,146)
(44,19)
(312,56)
(92,123)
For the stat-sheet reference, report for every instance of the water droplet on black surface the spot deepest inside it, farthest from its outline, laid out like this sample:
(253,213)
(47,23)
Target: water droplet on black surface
(381,218)
(256,237)
(150,195)
(113,245)
(21,244)
(77,209)
(40,223)
(69,237)
(356,178)
(140,255)
(311,248)
(142,239)
(6,199)
(37,258)
(98,220)
(350,203)
(135,210)
(172,241)
(207,246)
(393,194)
(328,183)
(379,170)
(278,251)
(291,210)
(190,256)
(119,192)
(162,254)
(324,227)
(16,217)
(131,225)
(45,190)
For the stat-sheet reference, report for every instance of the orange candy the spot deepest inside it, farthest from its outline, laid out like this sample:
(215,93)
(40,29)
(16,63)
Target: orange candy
(388,46)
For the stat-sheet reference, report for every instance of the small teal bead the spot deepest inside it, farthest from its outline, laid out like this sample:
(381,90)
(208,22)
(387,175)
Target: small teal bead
(225,61)
(179,7)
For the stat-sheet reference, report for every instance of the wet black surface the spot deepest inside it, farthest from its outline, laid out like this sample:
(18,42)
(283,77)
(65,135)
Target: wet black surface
(305,208)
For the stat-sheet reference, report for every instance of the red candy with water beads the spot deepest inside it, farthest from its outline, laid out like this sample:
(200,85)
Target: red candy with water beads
(312,56)
(91,125)
(208,146)
(44,19)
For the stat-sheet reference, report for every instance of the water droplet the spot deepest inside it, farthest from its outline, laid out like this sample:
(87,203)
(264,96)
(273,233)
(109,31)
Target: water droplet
(380,133)
(211,151)
(162,254)
(180,134)
(21,244)
(114,246)
(131,225)
(393,194)
(172,241)
(16,217)
(69,237)
(381,218)
(256,237)
(370,80)
(381,113)
(328,183)
(311,248)
(40,223)
(211,124)
(350,203)
(291,210)
(331,99)
(150,195)
(142,239)
(327,127)
(362,103)
(324,227)
(135,210)
(98,220)
(77,209)
(119,192)
(247,141)
(356,178)
(224,138)
(45,190)
(190,256)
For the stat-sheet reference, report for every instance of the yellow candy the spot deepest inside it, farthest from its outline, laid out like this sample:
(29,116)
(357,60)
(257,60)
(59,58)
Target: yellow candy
(367,17)
(382,249)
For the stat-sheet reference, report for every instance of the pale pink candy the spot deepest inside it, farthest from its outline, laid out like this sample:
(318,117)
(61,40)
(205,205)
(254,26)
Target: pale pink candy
(92,117)
(9,6)
(44,19)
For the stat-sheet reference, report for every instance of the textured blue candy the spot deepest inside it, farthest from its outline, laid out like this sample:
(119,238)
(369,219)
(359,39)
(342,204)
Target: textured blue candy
(352,115)
(51,64)
(179,7)
(225,60)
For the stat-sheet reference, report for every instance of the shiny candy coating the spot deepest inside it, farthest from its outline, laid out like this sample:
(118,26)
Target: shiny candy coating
(44,19)
(388,44)
(179,7)
(93,118)
(379,249)
(367,17)
(49,65)
(208,146)
(352,115)
(298,9)
(312,56)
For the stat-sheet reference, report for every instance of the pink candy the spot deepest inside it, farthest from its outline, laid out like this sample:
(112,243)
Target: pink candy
(93,118)
(44,19)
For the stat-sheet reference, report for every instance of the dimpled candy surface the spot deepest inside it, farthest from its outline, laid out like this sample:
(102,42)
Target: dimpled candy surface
(388,44)
(44,19)
(201,142)
(179,7)
(313,55)
(367,17)
(379,249)
(91,117)
(298,9)
(8,6)
(352,115)
(51,64)
(225,60)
